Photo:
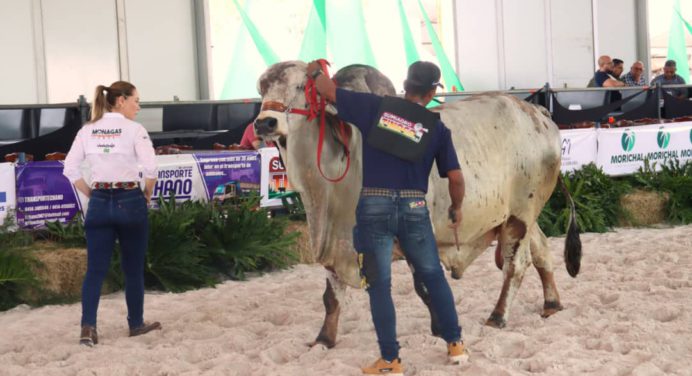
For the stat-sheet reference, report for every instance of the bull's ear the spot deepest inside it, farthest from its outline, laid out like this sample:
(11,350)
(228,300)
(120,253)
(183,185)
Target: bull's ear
(331,109)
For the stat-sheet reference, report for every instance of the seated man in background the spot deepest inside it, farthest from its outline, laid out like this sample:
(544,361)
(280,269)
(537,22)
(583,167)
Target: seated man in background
(670,77)
(604,76)
(618,68)
(250,141)
(635,77)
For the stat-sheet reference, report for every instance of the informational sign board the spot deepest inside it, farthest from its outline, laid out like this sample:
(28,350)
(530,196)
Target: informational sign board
(579,148)
(274,179)
(8,198)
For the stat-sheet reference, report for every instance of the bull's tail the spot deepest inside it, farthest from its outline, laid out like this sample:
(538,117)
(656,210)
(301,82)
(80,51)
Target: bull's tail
(572,241)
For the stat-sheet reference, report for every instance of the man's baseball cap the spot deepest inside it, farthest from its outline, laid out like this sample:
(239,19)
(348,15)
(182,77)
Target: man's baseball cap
(423,74)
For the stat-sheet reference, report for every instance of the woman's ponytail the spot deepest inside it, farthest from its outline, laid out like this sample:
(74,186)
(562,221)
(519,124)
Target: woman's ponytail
(99,105)
(105,98)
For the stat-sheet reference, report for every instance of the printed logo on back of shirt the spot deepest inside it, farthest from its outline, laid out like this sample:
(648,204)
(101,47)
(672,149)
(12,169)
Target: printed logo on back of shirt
(401,126)
(106,133)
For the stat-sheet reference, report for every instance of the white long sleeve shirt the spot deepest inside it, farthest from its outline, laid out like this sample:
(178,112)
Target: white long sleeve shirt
(115,148)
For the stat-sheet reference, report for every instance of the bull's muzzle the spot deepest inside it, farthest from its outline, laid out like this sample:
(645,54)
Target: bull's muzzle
(266,126)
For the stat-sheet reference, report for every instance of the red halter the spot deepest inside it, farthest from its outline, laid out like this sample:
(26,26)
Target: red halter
(316,107)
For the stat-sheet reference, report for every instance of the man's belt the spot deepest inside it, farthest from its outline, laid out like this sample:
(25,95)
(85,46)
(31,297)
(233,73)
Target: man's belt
(115,185)
(406,193)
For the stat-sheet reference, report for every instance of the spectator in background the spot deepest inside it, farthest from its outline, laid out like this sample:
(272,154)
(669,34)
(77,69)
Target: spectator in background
(618,68)
(604,75)
(670,77)
(250,141)
(605,71)
(635,77)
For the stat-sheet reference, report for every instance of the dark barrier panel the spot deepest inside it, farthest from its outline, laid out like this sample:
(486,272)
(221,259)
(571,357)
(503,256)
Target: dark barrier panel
(648,109)
(564,116)
(233,117)
(186,117)
(14,125)
(674,107)
(50,120)
(57,141)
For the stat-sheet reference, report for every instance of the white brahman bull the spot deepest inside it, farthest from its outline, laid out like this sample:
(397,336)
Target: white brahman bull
(509,152)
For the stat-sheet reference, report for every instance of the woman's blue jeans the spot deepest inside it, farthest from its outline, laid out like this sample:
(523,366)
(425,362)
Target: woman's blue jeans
(115,214)
(379,219)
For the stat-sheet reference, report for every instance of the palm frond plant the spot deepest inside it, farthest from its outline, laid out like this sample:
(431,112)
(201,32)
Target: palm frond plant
(596,197)
(15,263)
(70,234)
(15,274)
(11,236)
(242,238)
(176,259)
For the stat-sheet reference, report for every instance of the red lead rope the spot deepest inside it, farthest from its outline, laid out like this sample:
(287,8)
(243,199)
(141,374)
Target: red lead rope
(317,107)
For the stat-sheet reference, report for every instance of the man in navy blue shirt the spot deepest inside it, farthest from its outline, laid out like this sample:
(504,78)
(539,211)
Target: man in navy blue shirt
(392,205)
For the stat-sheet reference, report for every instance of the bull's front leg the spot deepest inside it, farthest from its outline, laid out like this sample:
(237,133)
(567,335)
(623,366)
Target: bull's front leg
(517,257)
(334,290)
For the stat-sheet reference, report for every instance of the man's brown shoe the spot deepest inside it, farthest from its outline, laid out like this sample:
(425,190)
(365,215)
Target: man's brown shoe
(89,336)
(457,353)
(145,328)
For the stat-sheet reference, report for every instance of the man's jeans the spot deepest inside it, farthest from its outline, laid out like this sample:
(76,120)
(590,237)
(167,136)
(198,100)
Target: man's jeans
(112,214)
(379,219)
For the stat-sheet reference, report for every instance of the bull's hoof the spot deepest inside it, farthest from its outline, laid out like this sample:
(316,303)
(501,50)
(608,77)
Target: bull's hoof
(496,321)
(328,343)
(551,308)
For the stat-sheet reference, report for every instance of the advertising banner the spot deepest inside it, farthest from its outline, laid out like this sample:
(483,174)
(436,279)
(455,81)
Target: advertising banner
(44,194)
(223,173)
(275,183)
(8,199)
(622,151)
(579,148)
(179,176)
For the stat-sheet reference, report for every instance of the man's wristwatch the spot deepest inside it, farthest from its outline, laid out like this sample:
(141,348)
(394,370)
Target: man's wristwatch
(316,73)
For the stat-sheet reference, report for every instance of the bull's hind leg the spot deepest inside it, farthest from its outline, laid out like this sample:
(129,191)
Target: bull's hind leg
(517,257)
(331,297)
(543,262)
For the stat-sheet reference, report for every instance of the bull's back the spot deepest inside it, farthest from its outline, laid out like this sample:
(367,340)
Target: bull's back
(509,153)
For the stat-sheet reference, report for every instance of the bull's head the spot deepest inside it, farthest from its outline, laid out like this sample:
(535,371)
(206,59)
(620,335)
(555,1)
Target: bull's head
(282,88)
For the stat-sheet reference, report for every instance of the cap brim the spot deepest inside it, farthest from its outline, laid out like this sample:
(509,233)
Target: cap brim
(416,83)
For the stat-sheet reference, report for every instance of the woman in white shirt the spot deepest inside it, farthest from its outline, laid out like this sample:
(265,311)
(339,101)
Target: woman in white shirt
(115,147)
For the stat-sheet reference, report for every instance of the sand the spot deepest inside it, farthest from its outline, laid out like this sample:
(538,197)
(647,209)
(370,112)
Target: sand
(628,313)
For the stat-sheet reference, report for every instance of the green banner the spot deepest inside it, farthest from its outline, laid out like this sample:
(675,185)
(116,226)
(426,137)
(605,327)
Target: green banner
(243,70)
(314,44)
(677,47)
(263,47)
(452,82)
(409,45)
(346,34)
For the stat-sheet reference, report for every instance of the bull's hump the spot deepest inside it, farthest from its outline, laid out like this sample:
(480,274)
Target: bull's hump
(364,78)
